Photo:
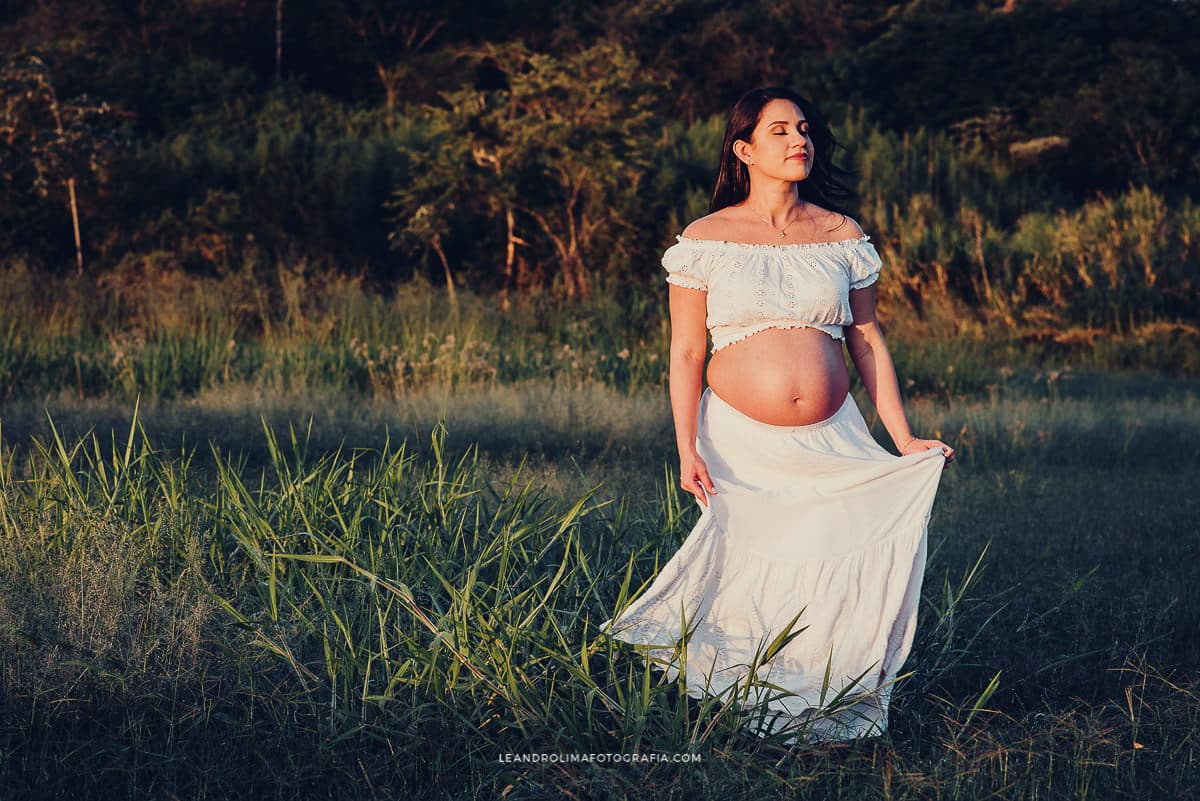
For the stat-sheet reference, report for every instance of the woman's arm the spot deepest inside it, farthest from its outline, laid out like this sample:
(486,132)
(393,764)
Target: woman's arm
(870,355)
(689,340)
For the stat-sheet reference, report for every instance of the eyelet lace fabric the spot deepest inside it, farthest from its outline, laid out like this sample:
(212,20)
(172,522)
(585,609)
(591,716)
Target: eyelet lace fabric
(817,520)
(755,287)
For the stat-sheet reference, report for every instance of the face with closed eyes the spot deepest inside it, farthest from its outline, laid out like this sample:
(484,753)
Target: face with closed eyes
(780,147)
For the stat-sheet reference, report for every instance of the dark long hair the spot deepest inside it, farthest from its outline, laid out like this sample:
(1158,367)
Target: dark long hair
(822,187)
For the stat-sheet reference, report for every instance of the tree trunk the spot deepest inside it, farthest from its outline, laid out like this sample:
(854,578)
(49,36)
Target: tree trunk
(389,89)
(580,278)
(567,255)
(75,223)
(436,242)
(70,181)
(575,260)
(510,253)
(278,40)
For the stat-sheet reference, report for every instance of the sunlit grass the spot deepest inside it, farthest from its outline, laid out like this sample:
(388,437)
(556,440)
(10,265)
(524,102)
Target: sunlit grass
(163,335)
(348,597)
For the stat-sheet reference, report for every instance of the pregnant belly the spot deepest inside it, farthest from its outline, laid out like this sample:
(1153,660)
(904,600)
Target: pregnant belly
(783,377)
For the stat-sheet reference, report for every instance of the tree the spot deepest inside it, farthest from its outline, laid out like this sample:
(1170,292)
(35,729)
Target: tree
(45,143)
(385,26)
(553,158)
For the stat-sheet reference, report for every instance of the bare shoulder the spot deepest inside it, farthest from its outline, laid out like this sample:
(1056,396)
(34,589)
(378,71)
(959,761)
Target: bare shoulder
(837,225)
(722,224)
(849,227)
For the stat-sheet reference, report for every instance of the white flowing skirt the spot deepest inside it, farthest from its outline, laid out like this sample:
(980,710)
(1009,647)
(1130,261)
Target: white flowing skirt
(817,520)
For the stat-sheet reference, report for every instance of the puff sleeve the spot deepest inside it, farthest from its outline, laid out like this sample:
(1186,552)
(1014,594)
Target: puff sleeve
(864,265)
(686,266)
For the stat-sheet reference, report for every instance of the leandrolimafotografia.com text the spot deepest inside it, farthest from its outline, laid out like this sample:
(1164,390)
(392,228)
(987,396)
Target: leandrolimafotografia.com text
(633,757)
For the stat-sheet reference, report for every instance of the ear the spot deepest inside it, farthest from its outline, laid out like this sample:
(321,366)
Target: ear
(741,149)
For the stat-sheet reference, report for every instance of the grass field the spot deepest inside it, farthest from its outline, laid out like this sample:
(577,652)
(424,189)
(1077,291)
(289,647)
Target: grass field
(254,594)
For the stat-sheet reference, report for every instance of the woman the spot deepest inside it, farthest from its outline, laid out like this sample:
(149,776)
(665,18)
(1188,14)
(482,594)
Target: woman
(809,528)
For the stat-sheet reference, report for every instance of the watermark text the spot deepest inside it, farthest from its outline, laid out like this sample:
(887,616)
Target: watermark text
(634,757)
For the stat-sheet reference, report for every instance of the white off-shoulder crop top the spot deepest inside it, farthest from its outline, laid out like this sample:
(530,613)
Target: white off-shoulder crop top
(755,287)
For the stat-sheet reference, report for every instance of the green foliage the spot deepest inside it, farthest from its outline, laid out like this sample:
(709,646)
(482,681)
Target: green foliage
(967,229)
(537,178)
(1115,77)
(244,181)
(1064,98)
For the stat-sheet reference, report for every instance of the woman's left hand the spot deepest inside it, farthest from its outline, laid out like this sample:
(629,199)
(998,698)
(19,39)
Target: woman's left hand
(915,445)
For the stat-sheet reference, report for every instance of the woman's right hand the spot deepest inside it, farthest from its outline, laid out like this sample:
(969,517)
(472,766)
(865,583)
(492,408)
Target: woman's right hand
(693,477)
(915,445)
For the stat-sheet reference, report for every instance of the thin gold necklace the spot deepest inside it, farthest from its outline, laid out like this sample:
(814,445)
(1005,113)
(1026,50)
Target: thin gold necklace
(782,231)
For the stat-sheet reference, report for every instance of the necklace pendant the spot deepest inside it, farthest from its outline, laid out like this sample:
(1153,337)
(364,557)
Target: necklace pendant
(782,234)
